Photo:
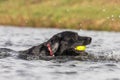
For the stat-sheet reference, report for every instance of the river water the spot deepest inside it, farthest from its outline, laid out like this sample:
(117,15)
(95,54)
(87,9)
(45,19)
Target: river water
(103,43)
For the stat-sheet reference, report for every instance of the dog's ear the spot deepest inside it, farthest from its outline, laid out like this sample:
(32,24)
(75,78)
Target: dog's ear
(55,47)
(55,42)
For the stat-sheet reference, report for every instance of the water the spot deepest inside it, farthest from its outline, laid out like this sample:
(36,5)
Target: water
(104,43)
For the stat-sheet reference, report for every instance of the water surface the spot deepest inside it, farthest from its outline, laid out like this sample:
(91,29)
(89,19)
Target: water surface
(104,43)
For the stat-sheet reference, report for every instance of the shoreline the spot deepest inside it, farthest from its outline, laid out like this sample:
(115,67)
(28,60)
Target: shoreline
(73,14)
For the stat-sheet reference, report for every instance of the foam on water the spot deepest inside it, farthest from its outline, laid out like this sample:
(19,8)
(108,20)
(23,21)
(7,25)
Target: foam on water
(103,43)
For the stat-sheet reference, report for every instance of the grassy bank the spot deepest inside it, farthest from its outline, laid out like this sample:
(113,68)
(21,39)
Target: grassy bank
(77,14)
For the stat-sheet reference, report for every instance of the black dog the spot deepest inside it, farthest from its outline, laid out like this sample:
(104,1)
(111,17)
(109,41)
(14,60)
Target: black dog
(61,44)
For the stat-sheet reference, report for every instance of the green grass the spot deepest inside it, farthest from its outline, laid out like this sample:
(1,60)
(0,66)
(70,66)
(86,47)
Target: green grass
(76,14)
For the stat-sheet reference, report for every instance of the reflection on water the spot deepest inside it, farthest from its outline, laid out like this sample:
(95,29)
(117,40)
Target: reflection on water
(103,44)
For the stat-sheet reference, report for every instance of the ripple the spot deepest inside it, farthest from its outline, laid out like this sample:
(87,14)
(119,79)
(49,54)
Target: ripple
(103,44)
(23,73)
(66,72)
(113,79)
(111,65)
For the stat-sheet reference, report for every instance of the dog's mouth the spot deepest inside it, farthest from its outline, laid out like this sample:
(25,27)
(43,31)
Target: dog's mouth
(78,48)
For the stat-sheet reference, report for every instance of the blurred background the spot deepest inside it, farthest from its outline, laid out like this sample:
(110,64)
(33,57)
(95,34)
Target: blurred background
(72,14)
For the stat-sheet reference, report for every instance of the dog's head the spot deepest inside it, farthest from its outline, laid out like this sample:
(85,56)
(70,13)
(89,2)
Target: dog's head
(65,43)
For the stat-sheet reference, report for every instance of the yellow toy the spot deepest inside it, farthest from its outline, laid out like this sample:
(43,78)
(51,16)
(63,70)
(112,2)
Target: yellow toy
(80,48)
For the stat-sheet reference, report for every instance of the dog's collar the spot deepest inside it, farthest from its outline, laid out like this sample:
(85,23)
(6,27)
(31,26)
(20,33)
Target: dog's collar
(50,50)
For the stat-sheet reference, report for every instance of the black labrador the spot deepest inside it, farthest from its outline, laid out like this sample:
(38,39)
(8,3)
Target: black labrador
(61,44)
